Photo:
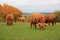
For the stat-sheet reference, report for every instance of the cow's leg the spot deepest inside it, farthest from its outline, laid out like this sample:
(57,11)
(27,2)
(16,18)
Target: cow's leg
(23,20)
(52,23)
(31,25)
(35,25)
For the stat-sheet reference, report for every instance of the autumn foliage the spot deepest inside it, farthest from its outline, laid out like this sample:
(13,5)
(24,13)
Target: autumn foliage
(6,9)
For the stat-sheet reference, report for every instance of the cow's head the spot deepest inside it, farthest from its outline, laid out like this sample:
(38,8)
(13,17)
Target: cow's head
(42,25)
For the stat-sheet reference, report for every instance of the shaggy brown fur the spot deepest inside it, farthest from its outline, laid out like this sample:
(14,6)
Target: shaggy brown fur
(9,19)
(37,19)
(50,18)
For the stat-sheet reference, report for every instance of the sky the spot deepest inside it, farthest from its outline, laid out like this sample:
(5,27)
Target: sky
(34,5)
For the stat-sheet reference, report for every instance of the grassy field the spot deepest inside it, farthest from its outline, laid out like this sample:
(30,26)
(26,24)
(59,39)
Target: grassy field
(22,31)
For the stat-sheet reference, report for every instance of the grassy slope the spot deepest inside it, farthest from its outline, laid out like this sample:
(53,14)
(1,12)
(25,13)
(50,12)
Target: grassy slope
(21,31)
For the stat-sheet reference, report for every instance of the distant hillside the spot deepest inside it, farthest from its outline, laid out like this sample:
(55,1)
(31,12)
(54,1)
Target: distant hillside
(27,14)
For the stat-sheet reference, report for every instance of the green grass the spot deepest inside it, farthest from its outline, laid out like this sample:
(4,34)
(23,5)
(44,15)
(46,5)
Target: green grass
(22,31)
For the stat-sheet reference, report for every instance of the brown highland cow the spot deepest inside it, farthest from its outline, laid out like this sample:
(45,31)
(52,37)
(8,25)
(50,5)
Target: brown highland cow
(50,18)
(37,19)
(21,19)
(9,19)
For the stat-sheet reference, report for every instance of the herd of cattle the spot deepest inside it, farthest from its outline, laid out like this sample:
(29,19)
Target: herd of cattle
(35,19)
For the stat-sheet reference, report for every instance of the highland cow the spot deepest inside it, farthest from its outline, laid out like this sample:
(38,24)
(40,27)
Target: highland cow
(37,19)
(9,19)
(50,18)
(21,19)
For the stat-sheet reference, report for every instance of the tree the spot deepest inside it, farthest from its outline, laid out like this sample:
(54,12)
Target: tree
(6,9)
(58,15)
(1,13)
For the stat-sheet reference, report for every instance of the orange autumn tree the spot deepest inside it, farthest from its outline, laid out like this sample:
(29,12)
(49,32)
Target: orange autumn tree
(0,8)
(15,11)
(10,9)
(5,11)
(1,14)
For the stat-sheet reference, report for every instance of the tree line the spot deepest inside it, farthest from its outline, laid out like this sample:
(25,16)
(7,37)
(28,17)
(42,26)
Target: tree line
(6,9)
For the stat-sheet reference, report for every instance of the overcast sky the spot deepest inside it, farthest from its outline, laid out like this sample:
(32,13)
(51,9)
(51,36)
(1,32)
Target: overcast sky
(34,5)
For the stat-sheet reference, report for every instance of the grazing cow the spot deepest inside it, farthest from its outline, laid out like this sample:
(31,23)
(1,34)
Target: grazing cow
(21,19)
(50,18)
(37,19)
(9,19)
(18,19)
